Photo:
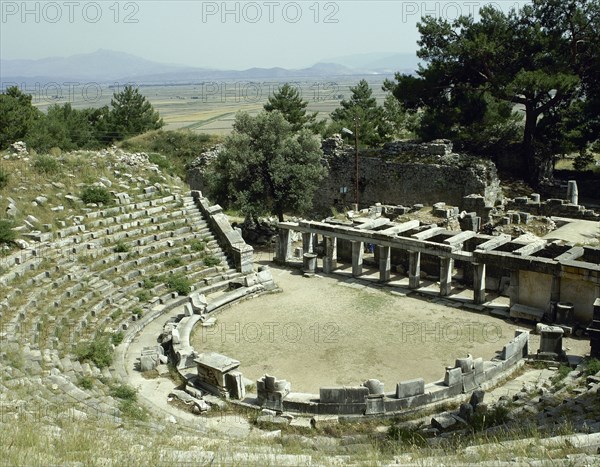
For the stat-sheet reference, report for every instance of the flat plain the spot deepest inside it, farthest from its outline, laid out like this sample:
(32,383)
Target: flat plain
(210,106)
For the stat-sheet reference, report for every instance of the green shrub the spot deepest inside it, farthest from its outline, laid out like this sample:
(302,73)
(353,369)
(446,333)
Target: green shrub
(161,161)
(3,178)
(582,161)
(137,311)
(86,382)
(154,179)
(143,296)
(179,283)
(122,247)
(563,371)
(211,261)
(197,245)
(592,367)
(124,392)
(115,315)
(7,234)
(173,262)
(148,283)
(117,337)
(96,194)
(47,165)
(98,351)
(128,404)
(133,411)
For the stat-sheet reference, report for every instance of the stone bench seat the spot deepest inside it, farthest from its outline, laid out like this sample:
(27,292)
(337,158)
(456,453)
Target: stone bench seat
(129,215)
(139,217)
(96,251)
(526,312)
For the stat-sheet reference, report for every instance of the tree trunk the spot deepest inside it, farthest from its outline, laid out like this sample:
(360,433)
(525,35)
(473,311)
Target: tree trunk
(528,147)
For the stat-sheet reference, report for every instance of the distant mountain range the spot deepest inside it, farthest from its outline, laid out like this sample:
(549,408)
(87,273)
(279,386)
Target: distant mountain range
(106,66)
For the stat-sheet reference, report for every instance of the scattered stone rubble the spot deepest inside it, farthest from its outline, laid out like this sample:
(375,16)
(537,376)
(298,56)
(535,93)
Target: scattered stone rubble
(259,232)
(438,147)
(544,404)
(204,160)
(139,159)
(18,150)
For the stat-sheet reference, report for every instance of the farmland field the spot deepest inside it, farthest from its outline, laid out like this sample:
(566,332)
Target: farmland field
(209,107)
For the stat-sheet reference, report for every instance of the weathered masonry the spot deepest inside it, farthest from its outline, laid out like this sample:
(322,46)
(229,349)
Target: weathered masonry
(557,283)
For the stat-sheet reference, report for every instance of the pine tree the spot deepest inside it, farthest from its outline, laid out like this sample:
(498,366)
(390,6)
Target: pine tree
(362,114)
(288,101)
(132,114)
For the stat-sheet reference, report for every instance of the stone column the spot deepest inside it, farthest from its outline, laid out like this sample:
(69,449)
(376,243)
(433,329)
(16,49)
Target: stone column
(284,246)
(357,258)
(555,288)
(307,242)
(446,266)
(315,242)
(330,258)
(414,269)
(309,264)
(554,296)
(572,192)
(385,264)
(479,283)
(513,290)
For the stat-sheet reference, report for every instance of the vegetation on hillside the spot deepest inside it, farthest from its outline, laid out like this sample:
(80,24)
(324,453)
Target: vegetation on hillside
(67,128)
(172,151)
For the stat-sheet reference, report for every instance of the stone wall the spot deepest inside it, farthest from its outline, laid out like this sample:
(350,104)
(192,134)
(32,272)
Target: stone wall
(399,173)
(406,173)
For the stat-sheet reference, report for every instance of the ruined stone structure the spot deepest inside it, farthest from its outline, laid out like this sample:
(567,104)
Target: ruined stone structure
(392,175)
(540,275)
(396,175)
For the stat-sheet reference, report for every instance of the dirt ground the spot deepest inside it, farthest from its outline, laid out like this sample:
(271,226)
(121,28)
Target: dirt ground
(329,331)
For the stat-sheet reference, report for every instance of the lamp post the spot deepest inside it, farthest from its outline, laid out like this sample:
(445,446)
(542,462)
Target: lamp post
(355,133)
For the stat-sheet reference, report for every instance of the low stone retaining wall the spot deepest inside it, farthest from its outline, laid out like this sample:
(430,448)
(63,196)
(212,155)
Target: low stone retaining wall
(467,375)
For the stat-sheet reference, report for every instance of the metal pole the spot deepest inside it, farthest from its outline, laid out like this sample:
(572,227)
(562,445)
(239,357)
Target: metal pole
(356,157)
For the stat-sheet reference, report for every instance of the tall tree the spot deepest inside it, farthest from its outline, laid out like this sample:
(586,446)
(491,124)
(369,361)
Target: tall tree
(64,127)
(266,167)
(131,114)
(524,58)
(362,114)
(17,116)
(288,101)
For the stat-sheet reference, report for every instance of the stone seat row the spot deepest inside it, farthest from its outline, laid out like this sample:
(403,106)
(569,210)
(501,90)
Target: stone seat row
(119,298)
(50,253)
(28,259)
(195,271)
(71,292)
(132,229)
(108,289)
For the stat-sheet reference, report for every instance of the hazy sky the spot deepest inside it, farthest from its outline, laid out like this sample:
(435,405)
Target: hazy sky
(232,35)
